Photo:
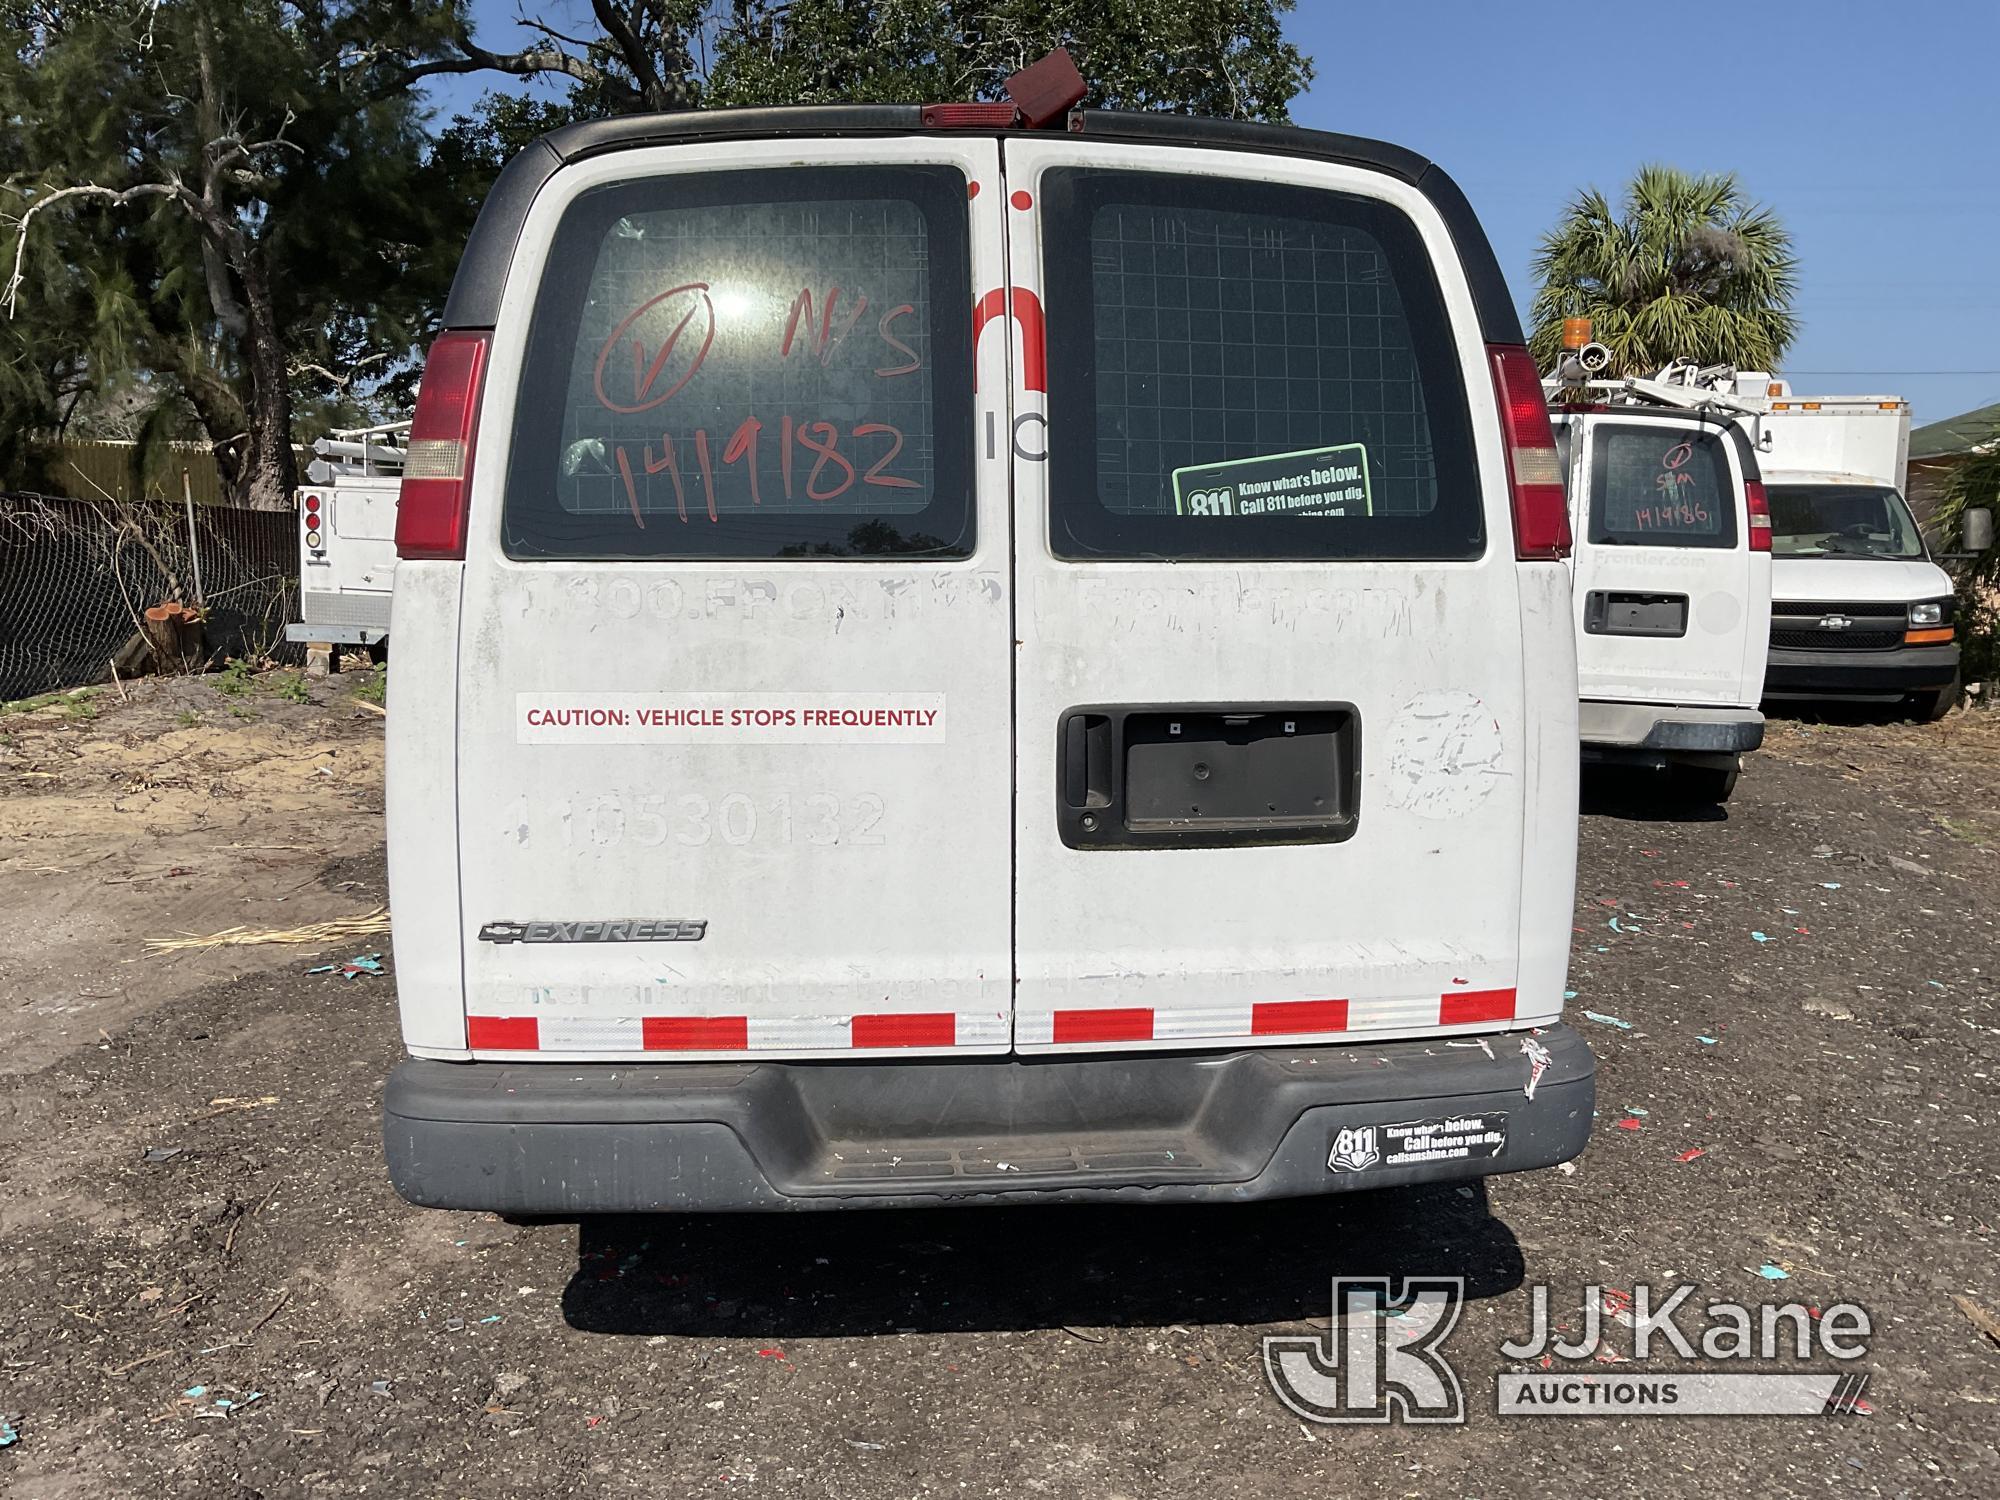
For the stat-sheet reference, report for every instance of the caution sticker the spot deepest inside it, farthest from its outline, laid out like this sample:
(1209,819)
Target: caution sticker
(615,718)
(1413,1143)
(1311,482)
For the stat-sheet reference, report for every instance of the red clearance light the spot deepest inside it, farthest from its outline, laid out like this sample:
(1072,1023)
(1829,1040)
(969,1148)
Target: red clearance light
(1760,516)
(968,116)
(1041,94)
(1534,472)
(431,511)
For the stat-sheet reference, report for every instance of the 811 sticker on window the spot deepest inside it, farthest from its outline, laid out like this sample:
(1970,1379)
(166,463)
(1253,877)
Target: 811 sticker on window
(1416,1143)
(1310,482)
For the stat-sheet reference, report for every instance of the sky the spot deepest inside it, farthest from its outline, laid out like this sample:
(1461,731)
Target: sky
(1873,130)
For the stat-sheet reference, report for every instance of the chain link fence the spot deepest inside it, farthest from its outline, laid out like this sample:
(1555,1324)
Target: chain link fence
(75,576)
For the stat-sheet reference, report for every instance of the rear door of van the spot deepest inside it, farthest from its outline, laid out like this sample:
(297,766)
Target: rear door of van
(1672,602)
(734,711)
(945,594)
(1283,689)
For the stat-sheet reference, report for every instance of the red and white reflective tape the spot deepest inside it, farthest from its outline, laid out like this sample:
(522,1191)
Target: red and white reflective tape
(1274,1018)
(940,1030)
(553,1033)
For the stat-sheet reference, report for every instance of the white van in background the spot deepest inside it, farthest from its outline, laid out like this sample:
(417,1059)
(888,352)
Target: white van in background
(942,661)
(1672,588)
(1860,612)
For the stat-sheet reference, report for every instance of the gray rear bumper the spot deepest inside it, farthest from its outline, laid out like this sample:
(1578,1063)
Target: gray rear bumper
(550,1138)
(1669,728)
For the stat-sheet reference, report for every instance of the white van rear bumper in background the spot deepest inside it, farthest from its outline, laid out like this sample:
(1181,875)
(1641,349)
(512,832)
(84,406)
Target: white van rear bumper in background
(551,1138)
(1669,728)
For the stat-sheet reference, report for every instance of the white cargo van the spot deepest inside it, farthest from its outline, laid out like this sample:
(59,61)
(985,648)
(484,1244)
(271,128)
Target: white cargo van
(1672,588)
(1859,611)
(938,660)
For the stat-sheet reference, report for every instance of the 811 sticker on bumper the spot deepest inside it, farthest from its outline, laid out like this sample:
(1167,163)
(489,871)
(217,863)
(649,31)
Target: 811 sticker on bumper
(1416,1143)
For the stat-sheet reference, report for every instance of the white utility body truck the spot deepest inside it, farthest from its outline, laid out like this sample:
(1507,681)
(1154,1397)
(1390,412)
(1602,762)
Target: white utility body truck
(347,538)
(1672,577)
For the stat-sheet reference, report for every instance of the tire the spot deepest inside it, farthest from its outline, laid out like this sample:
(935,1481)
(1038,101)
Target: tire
(1928,708)
(1704,784)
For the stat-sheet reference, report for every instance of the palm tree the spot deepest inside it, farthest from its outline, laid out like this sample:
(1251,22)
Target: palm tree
(1691,270)
(1975,481)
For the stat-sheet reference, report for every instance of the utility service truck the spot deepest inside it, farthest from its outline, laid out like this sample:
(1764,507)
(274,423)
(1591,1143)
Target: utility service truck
(1671,587)
(347,541)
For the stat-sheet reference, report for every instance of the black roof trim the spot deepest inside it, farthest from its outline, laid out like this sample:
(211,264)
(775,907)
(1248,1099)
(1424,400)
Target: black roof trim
(475,291)
(474,299)
(1247,135)
(595,137)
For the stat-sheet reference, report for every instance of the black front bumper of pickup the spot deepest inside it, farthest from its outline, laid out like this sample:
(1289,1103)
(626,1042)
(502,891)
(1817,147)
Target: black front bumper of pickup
(553,1138)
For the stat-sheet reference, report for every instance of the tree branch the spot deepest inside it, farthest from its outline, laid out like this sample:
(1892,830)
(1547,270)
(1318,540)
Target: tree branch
(339,382)
(533,23)
(624,34)
(222,297)
(627,34)
(476,59)
(114,197)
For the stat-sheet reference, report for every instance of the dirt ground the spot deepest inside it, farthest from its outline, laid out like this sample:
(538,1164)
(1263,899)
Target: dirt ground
(172,805)
(1803,990)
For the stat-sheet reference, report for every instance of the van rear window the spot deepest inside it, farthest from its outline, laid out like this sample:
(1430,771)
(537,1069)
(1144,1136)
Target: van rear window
(1249,370)
(753,364)
(1656,485)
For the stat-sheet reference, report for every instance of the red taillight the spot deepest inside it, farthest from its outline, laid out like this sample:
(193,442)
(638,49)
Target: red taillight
(968,116)
(312,505)
(1534,472)
(431,511)
(1760,516)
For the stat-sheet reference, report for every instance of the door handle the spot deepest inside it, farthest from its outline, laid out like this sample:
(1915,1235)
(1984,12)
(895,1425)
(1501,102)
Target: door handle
(1087,760)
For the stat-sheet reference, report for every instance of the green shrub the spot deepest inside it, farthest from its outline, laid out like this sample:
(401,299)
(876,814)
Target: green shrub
(233,681)
(1974,482)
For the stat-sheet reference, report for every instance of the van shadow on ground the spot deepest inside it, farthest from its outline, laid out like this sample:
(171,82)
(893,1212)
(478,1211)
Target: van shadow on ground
(979,1269)
(1638,795)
